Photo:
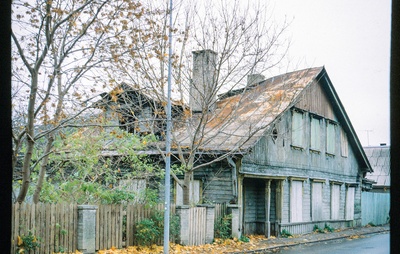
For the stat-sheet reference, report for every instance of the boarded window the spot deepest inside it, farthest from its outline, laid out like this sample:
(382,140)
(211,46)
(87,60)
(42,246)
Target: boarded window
(330,138)
(350,203)
(137,186)
(194,190)
(296,201)
(134,185)
(335,201)
(344,146)
(315,141)
(297,129)
(316,198)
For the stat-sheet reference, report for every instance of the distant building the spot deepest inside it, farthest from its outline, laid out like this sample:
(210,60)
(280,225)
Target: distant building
(375,200)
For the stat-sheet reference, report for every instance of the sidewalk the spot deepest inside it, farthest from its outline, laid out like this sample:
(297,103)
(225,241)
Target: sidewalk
(274,243)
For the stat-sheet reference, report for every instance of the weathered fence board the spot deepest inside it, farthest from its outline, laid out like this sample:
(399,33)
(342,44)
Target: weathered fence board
(53,224)
(197,222)
(56,224)
(375,208)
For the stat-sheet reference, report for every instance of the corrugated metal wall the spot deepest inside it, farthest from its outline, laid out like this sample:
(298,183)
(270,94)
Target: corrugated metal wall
(375,208)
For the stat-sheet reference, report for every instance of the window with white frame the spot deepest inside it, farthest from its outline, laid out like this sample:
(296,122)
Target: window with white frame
(350,203)
(194,193)
(330,137)
(316,201)
(344,145)
(315,137)
(335,201)
(297,128)
(296,201)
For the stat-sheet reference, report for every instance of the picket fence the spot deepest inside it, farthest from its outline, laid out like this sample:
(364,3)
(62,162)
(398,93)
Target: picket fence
(56,225)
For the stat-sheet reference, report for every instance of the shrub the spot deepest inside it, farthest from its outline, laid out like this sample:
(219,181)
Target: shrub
(318,229)
(244,238)
(285,233)
(328,228)
(149,230)
(223,228)
(26,243)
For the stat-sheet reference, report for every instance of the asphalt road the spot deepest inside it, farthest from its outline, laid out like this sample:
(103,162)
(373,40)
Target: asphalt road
(367,244)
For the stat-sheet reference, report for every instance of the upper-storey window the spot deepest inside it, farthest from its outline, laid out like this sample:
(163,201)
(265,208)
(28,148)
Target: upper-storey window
(297,129)
(344,145)
(315,137)
(330,137)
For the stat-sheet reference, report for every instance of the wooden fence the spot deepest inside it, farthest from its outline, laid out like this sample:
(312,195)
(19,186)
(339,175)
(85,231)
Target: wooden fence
(57,224)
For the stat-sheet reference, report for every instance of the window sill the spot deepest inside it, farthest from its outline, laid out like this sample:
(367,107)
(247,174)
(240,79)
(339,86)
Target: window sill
(315,151)
(330,155)
(297,148)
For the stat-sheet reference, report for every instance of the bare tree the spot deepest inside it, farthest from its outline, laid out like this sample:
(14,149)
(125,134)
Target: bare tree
(230,41)
(60,50)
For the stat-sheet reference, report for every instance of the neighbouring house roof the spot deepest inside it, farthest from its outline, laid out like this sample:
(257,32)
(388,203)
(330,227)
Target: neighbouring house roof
(379,157)
(243,116)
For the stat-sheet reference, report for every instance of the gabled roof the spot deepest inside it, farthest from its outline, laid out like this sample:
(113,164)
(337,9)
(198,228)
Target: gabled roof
(379,157)
(242,117)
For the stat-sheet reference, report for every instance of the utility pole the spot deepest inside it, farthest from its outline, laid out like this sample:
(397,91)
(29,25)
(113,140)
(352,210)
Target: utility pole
(168,141)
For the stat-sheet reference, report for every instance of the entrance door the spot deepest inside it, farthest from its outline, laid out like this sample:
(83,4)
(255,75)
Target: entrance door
(254,206)
(261,197)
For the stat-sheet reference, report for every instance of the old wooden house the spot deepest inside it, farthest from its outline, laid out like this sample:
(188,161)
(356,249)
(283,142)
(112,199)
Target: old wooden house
(290,157)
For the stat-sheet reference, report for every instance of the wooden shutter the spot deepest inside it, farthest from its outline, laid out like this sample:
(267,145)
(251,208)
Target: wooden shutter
(297,129)
(350,203)
(316,202)
(335,201)
(296,201)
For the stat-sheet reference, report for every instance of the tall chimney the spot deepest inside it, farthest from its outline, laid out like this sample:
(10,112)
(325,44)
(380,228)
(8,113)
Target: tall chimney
(203,88)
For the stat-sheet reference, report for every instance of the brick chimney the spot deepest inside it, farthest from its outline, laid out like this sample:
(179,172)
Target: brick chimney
(203,94)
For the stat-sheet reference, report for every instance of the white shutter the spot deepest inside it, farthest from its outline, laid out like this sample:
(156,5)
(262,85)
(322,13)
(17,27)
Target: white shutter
(296,201)
(315,134)
(316,204)
(297,129)
(335,201)
(350,203)
(330,138)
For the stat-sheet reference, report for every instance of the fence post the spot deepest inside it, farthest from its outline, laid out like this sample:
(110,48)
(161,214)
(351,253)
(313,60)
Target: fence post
(210,219)
(234,211)
(87,228)
(183,212)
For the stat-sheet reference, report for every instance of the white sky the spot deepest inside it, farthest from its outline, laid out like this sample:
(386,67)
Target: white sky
(352,40)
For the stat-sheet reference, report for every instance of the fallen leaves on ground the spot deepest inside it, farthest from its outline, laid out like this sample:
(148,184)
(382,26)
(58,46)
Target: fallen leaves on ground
(217,247)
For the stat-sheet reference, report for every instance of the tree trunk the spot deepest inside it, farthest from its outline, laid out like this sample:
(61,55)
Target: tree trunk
(186,187)
(30,143)
(43,167)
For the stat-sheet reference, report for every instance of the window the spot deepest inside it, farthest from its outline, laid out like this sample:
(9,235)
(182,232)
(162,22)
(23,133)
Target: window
(335,201)
(297,129)
(350,203)
(330,137)
(315,137)
(316,199)
(344,146)
(137,186)
(194,189)
(296,201)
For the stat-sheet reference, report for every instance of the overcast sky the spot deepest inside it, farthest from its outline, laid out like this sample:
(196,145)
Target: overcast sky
(352,40)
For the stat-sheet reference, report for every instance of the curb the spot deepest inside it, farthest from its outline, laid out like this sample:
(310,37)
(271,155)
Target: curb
(383,230)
